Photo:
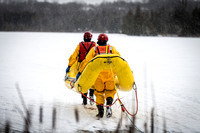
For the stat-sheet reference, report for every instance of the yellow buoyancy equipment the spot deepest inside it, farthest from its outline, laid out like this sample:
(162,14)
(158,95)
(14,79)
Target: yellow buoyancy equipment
(124,81)
(71,75)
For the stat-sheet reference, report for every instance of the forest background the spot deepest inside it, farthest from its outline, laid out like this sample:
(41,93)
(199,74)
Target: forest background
(152,18)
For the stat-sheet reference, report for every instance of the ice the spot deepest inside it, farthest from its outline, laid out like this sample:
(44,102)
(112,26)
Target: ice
(166,71)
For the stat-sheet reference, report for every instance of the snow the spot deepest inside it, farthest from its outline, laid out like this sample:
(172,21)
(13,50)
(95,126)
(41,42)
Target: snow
(166,71)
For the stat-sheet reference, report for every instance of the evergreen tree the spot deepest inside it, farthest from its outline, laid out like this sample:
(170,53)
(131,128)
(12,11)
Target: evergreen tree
(138,22)
(128,23)
(152,18)
(182,18)
(195,28)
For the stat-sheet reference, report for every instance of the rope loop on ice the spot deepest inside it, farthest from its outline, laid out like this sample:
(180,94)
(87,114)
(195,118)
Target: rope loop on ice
(122,105)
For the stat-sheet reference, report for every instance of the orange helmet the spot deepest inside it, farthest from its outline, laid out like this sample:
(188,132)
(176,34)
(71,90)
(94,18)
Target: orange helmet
(103,38)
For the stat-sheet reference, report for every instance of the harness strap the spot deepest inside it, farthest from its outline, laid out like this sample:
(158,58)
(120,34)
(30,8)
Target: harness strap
(98,50)
(90,47)
(84,47)
(87,50)
(107,49)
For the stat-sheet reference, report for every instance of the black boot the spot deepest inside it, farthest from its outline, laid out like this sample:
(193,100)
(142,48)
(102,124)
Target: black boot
(108,109)
(91,96)
(91,92)
(100,111)
(84,99)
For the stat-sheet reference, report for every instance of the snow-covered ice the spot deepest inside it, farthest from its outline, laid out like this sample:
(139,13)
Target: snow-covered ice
(166,71)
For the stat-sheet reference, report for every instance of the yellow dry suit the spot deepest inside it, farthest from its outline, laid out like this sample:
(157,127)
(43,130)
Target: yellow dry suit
(104,84)
(79,54)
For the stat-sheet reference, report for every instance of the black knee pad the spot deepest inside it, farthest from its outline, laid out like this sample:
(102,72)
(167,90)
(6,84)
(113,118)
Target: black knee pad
(91,92)
(109,100)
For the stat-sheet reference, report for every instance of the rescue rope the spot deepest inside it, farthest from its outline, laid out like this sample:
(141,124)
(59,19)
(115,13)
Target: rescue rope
(120,102)
(134,124)
(100,104)
(72,83)
(125,110)
(122,105)
(118,99)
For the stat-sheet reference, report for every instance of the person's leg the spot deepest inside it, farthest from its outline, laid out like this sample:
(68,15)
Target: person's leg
(110,91)
(99,93)
(100,100)
(91,96)
(84,99)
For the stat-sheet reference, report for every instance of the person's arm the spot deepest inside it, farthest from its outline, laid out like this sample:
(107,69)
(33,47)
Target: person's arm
(114,51)
(74,56)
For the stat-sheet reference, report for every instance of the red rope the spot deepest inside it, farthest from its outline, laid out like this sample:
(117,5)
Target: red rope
(98,103)
(72,83)
(122,105)
(123,108)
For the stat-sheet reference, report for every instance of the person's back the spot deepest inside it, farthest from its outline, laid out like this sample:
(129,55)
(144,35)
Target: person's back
(79,54)
(104,84)
(84,47)
(81,50)
(104,48)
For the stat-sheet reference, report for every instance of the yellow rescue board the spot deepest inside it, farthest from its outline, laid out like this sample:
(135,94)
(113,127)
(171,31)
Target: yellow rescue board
(124,81)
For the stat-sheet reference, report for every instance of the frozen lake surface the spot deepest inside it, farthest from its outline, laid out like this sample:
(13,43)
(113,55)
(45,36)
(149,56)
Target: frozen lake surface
(166,71)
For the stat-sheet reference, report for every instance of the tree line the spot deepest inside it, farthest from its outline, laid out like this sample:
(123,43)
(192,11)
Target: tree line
(182,19)
(155,17)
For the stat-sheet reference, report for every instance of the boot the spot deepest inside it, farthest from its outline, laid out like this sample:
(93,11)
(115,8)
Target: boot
(108,109)
(91,96)
(91,92)
(108,112)
(91,102)
(84,99)
(100,111)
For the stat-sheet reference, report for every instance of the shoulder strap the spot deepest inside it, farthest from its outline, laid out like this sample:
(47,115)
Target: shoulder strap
(108,49)
(84,46)
(98,50)
(87,50)
(90,47)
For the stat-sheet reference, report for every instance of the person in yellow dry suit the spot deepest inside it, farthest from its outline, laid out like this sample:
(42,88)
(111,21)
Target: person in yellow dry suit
(79,54)
(104,84)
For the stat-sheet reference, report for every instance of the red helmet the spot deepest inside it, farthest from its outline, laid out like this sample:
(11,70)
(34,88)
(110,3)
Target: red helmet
(103,37)
(87,35)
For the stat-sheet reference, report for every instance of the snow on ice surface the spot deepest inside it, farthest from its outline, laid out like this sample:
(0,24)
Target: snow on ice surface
(164,68)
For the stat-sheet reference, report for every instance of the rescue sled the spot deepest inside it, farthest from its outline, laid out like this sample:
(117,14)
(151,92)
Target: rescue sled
(124,79)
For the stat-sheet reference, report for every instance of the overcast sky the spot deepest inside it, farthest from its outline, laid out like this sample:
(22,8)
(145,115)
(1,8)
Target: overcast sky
(87,1)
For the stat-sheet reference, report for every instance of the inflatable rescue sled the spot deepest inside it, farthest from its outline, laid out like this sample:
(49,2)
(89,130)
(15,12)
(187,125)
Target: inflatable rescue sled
(124,79)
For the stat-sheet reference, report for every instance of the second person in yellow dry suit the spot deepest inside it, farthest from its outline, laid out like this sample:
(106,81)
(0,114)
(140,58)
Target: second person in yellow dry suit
(104,84)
